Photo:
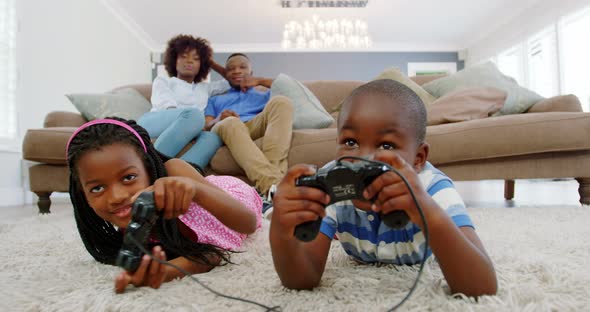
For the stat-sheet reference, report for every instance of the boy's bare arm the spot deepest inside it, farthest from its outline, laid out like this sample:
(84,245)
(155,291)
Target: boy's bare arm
(461,256)
(299,265)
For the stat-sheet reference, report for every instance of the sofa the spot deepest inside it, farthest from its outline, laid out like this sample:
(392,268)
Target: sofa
(550,140)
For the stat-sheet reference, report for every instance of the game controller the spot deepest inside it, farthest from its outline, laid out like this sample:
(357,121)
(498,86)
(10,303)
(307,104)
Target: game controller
(143,217)
(343,180)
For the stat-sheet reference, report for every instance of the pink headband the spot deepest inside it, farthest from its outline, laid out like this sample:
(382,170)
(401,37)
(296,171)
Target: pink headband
(105,121)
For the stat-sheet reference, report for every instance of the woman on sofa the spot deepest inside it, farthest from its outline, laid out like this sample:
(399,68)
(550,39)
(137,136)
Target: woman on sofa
(178,101)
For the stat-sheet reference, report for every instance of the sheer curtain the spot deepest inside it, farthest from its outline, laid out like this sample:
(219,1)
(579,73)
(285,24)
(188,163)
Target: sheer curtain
(512,63)
(576,56)
(8,128)
(543,71)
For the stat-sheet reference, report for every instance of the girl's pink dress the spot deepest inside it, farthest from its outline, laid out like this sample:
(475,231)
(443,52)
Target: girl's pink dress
(209,230)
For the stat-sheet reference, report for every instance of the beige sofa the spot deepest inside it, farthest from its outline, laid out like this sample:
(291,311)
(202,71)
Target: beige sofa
(551,140)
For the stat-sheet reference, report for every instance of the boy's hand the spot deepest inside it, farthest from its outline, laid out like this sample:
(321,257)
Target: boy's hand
(392,193)
(149,273)
(173,195)
(294,205)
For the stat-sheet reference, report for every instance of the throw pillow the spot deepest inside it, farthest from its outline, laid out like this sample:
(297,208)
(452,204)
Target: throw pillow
(309,112)
(126,103)
(466,104)
(519,99)
(397,75)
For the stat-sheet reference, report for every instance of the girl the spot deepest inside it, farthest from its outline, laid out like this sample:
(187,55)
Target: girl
(112,161)
(179,101)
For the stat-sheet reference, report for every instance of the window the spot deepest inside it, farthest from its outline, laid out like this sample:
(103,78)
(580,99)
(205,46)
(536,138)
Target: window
(543,73)
(575,56)
(7,72)
(511,63)
(555,60)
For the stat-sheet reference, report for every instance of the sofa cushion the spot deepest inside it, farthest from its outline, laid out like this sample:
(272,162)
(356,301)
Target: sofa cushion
(518,101)
(506,136)
(397,75)
(310,146)
(145,89)
(314,147)
(308,111)
(560,103)
(465,104)
(331,92)
(47,145)
(126,103)
(422,79)
(49,178)
(63,119)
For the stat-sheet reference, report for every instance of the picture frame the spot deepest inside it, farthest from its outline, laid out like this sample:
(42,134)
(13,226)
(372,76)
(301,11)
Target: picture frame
(431,68)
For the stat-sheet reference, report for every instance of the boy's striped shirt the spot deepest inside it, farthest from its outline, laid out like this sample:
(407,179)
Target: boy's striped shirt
(364,237)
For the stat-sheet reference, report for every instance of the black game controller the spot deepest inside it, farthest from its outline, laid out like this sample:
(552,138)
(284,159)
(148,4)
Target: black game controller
(143,217)
(345,180)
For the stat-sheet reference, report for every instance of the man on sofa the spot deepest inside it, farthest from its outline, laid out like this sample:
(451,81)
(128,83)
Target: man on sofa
(244,114)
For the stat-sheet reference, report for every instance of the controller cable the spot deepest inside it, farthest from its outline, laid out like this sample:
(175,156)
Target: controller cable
(144,250)
(425,230)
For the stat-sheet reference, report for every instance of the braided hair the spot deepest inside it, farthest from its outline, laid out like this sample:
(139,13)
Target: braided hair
(100,237)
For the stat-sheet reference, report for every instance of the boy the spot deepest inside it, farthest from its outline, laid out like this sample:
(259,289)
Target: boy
(386,121)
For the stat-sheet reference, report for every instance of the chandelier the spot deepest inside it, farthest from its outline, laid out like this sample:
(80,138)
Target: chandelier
(319,34)
(324,3)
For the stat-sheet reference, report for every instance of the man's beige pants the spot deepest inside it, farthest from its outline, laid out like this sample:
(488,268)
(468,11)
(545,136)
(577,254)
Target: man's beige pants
(275,123)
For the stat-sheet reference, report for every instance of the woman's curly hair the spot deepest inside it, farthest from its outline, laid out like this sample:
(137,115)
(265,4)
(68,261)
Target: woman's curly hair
(185,43)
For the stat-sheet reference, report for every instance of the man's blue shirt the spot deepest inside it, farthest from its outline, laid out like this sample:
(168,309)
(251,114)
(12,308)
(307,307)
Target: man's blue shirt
(246,104)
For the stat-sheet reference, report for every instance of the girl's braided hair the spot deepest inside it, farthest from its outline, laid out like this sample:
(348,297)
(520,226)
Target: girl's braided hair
(101,238)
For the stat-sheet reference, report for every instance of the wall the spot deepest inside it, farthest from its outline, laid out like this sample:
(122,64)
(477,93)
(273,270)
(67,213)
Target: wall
(11,191)
(533,20)
(335,65)
(66,46)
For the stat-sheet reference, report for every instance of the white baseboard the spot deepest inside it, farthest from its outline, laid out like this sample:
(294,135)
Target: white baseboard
(12,196)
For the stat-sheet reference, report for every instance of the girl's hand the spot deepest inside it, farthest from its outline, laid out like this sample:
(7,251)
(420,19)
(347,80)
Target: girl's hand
(391,191)
(149,273)
(294,205)
(173,195)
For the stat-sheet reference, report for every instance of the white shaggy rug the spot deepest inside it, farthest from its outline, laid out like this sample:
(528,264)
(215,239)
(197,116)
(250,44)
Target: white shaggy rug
(541,256)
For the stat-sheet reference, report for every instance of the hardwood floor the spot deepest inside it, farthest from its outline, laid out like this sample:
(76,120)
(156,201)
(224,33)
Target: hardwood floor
(526,193)
(477,194)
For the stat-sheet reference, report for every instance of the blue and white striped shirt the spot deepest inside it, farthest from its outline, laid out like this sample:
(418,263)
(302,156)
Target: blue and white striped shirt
(366,238)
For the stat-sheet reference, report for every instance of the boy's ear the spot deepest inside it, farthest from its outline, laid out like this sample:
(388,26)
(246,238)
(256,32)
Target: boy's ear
(421,156)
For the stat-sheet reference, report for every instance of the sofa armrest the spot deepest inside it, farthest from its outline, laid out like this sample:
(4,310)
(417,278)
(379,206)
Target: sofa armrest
(63,119)
(560,103)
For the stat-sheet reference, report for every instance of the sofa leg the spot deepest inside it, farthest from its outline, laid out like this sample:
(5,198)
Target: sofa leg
(44,201)
(508,189)
(584,190)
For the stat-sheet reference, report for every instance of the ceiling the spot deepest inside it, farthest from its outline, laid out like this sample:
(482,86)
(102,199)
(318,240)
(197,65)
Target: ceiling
(257,25)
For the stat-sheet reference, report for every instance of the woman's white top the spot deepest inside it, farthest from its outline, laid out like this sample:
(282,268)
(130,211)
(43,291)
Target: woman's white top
(173,92)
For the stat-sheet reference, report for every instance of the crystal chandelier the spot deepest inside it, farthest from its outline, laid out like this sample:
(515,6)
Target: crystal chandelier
(319,34)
